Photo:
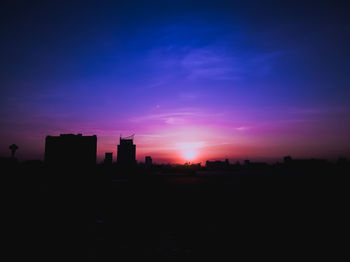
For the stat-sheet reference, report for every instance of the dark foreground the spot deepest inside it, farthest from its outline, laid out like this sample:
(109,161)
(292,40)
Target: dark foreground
(93,215)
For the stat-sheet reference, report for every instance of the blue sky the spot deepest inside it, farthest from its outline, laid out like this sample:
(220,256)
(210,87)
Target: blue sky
(269,77)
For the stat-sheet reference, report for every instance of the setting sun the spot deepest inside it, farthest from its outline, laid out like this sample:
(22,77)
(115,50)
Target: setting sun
(189,154)
(189,150)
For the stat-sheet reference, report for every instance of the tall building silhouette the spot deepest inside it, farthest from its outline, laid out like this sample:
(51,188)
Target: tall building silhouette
(126,151)
(70,150)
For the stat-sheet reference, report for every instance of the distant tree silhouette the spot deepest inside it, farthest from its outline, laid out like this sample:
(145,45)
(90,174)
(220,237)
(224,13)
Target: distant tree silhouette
(13,149)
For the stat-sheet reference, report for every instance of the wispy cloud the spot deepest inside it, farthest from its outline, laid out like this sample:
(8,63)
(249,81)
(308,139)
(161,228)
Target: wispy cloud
(221,59)
(210,63)
(178,117)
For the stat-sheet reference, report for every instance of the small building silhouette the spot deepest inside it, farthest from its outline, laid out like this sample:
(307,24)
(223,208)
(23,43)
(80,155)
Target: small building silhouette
(108,158)
(70,150)
(287,159)
(126,151)
(217,164)
(148,161)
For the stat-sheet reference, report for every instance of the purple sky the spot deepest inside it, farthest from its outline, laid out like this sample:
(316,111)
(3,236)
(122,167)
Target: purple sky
(193,80)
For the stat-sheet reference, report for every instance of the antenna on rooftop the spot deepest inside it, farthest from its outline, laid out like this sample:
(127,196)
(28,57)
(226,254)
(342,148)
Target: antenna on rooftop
(127,137)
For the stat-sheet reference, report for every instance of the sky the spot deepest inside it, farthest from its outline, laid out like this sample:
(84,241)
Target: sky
(193,80)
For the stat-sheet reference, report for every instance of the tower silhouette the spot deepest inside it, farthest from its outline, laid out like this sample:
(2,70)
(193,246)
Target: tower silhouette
(126,151)
(13,149)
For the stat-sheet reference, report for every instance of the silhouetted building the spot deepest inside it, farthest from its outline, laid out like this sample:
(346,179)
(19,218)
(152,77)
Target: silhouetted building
(217,164)
(70,150)
(126,151)
(7,161)
(287,159)
(342,161)
(108,158)
(148,161)
(258,165)
(305,163)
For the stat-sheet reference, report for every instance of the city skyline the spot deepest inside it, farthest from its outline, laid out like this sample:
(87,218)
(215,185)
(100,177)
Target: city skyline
(80,150)
(194,80)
